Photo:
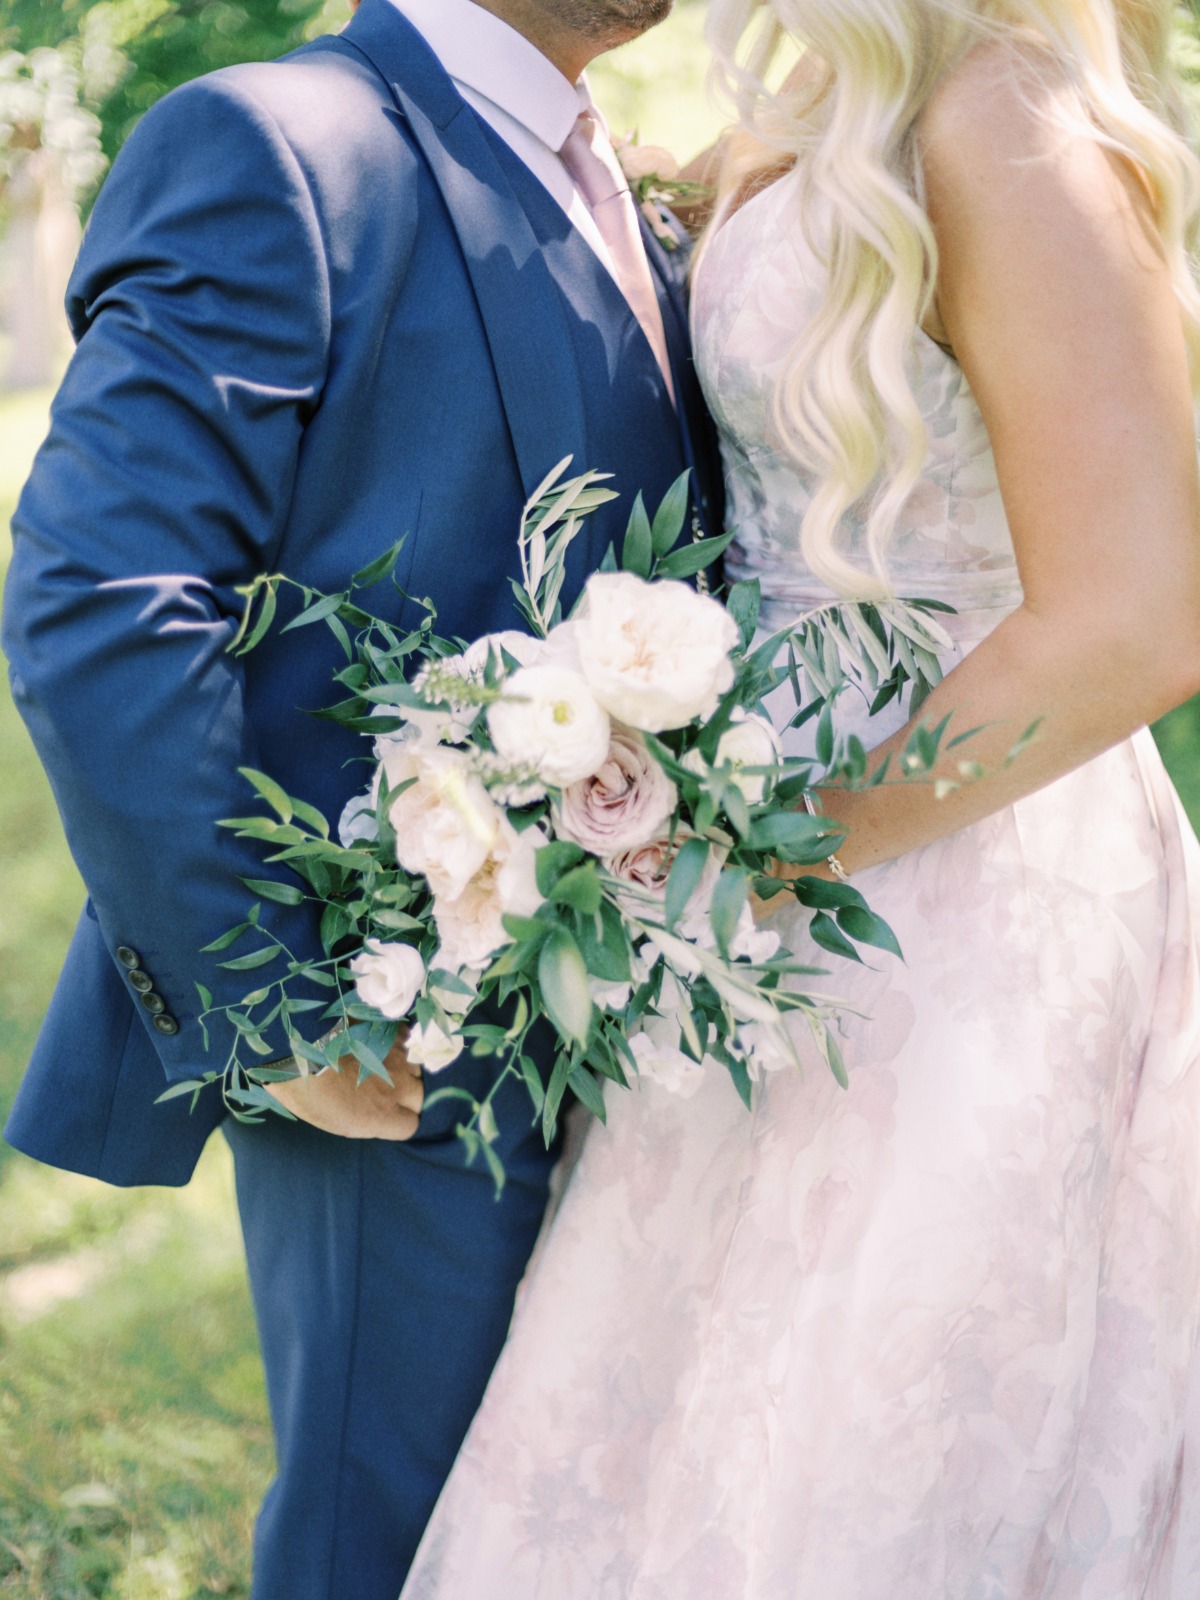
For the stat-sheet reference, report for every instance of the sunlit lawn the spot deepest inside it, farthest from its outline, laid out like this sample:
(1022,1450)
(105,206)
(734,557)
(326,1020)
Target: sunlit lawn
(133,1436)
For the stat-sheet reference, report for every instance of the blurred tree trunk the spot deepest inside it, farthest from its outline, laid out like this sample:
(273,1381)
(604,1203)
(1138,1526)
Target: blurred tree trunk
(36,254)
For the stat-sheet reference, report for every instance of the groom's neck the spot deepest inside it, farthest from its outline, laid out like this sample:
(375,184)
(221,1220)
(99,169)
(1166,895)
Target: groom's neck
(569,48)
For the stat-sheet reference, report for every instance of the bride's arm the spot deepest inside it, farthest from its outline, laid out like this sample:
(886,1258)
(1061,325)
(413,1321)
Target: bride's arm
(1055,297)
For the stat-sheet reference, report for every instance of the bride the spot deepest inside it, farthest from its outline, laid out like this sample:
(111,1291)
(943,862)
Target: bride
(936,1334)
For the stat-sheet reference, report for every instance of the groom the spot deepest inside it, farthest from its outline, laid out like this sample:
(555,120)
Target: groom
(376,289)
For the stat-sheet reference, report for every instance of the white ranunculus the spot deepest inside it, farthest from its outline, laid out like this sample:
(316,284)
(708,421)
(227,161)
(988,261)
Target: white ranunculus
(666,1065)
(431,1049)
(766,1051)
(357,824)
(609,996)
(471,924)
(657,655)
(550,720)
(445,824)
(388,977)
(756,944)
(749,741)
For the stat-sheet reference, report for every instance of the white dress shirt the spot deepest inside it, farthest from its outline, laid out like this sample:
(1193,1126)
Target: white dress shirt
(517,90)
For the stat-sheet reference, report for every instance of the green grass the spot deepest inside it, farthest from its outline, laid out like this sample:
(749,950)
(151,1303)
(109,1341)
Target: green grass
(133,1436)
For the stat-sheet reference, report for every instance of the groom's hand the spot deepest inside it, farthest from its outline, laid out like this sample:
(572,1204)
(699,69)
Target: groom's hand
(337,1103)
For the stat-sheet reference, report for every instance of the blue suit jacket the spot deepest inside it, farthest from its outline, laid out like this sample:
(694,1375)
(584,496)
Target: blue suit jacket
(319,305)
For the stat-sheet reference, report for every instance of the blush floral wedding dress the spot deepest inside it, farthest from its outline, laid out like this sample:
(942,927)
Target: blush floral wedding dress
(932,1337)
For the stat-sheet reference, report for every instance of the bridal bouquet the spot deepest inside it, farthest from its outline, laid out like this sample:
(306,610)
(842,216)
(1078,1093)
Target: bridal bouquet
(566,823)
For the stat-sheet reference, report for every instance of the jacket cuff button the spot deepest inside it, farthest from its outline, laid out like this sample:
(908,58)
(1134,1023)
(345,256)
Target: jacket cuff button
(165,1024)
(127,957)
(154,1002)
(141,981)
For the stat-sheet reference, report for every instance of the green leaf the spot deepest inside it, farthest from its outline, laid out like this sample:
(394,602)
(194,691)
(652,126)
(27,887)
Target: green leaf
(829,936)
(256,958)
(824,741)
(606,948)
(275,796)
(825,896)
(669,518)
(637,551)
(533,1083)
(729,896)
(555,1089)
(867,928)
(580,888)
(286,894)
(563,981)
(206,998)
(552,861)
(832,1051)
(692,558)
(382,567)
(371,1064)
(525,928)
(336,923)
(587,1090)
(685,874)
(326,606)
(262,624)
(314,818)
(744,603)
(177,1089)
(791,830)
(226,940)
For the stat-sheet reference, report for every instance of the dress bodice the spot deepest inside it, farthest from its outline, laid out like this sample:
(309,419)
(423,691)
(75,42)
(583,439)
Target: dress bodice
(756,286)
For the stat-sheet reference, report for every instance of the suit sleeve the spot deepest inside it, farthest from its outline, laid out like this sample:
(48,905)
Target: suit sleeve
(200,305)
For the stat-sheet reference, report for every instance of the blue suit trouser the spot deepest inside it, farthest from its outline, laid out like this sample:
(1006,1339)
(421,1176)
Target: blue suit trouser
(383,1278)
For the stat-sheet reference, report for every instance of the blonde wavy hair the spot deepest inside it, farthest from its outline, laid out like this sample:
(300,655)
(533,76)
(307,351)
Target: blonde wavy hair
(844,405)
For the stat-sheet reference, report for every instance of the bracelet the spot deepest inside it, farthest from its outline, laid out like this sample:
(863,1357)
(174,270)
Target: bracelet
(834,865)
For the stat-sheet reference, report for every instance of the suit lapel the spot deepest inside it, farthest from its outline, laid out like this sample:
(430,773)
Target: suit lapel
(522,309)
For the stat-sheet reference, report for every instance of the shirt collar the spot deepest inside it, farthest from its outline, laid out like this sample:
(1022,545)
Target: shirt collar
(484,54)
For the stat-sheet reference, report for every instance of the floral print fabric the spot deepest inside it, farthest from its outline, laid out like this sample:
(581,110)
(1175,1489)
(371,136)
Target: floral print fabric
(933,1335)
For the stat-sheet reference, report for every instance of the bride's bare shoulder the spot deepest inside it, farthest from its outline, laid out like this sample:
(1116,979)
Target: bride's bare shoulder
(1007,122)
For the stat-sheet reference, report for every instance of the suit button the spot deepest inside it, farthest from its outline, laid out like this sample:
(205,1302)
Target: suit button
(141,981)
(128,957)
(154,1002)
(166,1024)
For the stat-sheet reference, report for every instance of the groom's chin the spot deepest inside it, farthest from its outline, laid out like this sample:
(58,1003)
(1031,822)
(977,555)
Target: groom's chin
(613,21)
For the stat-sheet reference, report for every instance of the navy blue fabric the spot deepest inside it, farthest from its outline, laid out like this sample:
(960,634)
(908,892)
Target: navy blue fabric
(319,305)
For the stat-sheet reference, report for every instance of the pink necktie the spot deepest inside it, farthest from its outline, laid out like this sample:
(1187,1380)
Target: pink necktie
(589,158)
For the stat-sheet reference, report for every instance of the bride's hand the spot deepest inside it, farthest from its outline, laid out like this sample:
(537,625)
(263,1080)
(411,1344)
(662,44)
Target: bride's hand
(337,1103)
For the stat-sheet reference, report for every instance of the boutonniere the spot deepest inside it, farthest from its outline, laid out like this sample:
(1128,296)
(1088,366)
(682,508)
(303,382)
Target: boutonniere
(653,177)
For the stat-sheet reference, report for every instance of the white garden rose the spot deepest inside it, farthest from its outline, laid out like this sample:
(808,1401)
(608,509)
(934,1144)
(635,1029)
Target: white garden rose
(430,1048)
(749,741)
(656,655)
(549,719)
(471,924)
(445,824)
(664,1063)
(388,977)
